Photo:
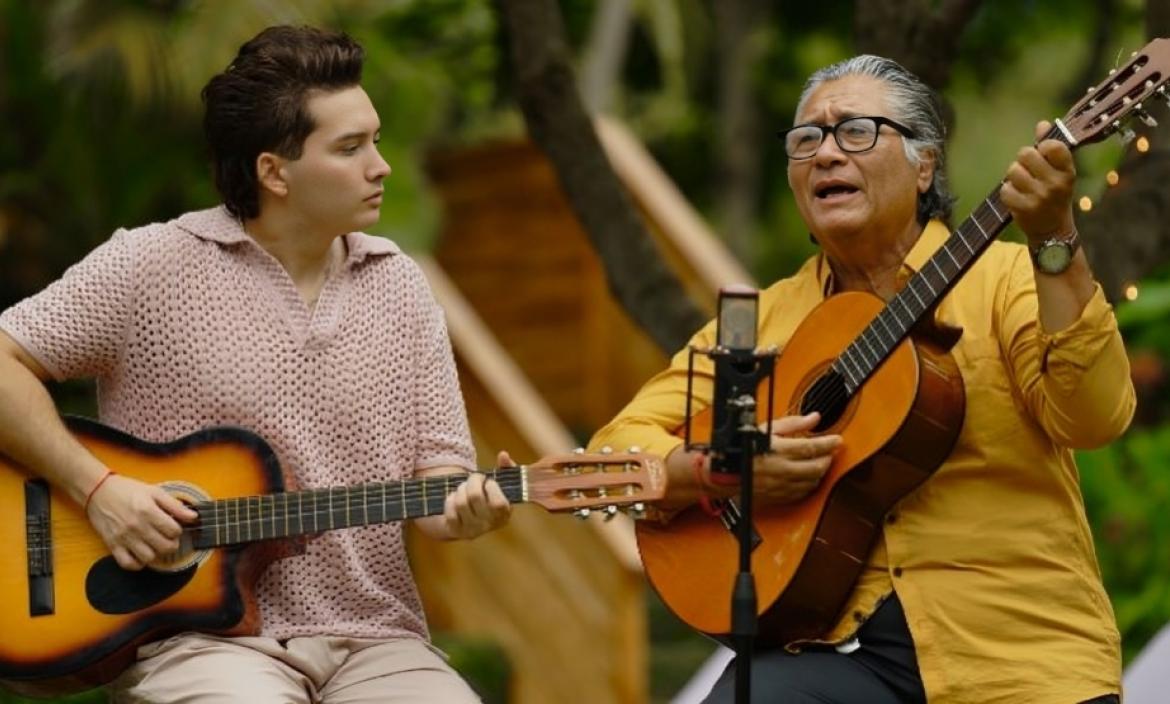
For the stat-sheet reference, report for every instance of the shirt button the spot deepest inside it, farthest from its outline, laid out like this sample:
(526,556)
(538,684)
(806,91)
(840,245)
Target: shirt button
(897,571)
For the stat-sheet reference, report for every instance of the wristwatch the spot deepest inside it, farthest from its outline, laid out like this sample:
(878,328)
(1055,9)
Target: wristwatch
(1053,255)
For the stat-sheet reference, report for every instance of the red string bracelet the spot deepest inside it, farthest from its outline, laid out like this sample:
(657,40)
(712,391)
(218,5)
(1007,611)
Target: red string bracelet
(705,501)
(109,473)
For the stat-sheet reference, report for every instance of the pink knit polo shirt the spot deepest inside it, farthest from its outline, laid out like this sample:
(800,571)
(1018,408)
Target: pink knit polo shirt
(190,323)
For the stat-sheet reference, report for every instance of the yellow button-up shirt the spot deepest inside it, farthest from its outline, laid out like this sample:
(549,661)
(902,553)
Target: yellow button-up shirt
(992,557)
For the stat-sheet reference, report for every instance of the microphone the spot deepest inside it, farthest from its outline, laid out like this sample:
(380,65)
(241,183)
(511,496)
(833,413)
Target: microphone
(737,373)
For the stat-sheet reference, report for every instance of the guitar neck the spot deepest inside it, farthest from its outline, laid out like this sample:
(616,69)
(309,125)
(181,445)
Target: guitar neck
(252,518)
(922,292)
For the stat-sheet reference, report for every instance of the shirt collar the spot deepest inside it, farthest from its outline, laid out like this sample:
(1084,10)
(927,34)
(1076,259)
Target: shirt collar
(218,225)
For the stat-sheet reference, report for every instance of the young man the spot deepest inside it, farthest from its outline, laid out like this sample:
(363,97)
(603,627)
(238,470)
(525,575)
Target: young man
(272,312)
(983,586)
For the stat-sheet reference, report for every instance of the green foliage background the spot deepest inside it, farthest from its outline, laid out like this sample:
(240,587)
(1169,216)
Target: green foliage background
(99,99)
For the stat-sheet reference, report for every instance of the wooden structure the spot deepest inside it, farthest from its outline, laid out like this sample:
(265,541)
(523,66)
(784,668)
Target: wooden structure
(545,358)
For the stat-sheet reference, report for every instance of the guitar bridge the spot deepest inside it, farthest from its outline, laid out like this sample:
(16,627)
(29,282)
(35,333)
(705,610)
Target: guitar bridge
(39,544)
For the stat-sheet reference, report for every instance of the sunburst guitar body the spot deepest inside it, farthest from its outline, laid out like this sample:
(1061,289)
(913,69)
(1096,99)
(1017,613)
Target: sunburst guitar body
(71,618)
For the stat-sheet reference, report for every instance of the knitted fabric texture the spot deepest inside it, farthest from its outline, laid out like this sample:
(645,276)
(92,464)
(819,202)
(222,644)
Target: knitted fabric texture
(190,324)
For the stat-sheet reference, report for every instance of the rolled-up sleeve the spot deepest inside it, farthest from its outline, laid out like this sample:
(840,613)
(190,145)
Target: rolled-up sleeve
(1074,382)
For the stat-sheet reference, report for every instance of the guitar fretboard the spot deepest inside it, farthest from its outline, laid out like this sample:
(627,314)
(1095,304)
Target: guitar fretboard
(251,518)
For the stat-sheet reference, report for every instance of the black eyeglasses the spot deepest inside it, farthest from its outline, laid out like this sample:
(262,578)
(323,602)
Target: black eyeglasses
(856,134)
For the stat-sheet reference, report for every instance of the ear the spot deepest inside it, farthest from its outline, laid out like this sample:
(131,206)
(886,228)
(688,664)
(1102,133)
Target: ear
(270,173)
(926,172)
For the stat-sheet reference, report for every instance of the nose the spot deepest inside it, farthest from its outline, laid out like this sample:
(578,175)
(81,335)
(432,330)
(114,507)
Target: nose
(380,169)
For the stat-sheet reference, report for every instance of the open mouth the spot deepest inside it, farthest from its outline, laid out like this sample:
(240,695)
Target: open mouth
(834,190)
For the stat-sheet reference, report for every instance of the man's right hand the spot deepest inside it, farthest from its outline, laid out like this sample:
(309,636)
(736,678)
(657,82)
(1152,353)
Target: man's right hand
(138,522)
(797,462)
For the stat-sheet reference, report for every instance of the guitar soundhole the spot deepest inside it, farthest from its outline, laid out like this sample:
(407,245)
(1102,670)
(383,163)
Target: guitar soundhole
(827,396)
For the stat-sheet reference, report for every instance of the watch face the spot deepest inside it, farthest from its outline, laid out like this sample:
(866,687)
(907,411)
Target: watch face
(1053,257)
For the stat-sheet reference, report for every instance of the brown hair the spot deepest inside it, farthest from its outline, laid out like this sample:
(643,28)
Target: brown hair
(259,103)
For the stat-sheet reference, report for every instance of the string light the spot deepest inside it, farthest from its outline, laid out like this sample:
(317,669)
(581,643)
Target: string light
(1142,144)
(1112,178)
(1131,292)
(1085,204)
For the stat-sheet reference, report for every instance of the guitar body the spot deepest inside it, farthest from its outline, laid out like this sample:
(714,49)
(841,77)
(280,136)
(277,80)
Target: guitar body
(897,429)
(71,619)
(97,614)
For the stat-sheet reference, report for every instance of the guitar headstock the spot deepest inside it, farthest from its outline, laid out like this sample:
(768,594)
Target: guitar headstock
(608,481)
(1122,95)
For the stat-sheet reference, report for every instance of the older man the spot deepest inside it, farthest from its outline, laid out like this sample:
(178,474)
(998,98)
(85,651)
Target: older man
(983,586)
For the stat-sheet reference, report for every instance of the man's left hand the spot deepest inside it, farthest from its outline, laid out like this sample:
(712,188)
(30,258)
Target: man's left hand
(1038,188)
(478,506)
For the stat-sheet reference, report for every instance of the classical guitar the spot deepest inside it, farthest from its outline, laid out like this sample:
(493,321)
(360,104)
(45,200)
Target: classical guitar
(881,375)
(71,619)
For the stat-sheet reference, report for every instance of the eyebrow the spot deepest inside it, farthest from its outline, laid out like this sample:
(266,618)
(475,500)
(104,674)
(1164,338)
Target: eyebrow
(841,117)
(357,134)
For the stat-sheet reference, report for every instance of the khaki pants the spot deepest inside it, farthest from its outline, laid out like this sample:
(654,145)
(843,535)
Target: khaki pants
(194,668)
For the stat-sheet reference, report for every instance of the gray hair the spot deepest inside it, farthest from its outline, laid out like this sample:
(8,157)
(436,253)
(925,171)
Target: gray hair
(914,105)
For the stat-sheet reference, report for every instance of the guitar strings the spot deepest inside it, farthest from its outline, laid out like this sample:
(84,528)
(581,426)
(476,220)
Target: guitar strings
(413,490)
(391,495)
(389,498)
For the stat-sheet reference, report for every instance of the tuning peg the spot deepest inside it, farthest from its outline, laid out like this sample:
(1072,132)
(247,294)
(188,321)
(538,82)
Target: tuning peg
(610,512)
(606,450)
(634,449)
(1147,118)
(1125,134)
(638,510)
(578,450)
(582,513)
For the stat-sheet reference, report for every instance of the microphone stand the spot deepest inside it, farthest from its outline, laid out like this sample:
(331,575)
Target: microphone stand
(737,459)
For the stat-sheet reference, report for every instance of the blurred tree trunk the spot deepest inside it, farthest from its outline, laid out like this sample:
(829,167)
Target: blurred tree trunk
(1127,233)
(737,30)
(561,128)
(915,33)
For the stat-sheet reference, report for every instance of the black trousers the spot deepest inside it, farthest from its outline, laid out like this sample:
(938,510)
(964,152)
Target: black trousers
(884,670)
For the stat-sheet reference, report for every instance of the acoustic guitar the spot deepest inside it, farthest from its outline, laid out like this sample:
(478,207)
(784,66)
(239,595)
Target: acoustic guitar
(881,375)
(71,618)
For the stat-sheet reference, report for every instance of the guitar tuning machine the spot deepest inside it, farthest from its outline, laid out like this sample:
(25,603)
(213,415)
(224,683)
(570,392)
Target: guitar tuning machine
(1144,116)
(1125,134)
(610,512)
(638,510)
(582,513)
